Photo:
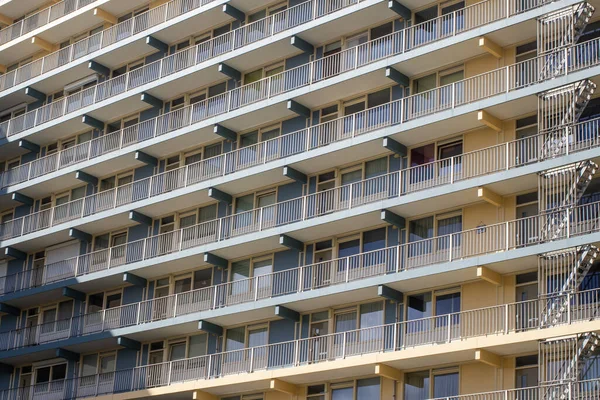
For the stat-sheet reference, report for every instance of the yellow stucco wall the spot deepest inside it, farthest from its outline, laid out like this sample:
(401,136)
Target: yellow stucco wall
(477,377)
(479,294)
(278,396)
(482,64)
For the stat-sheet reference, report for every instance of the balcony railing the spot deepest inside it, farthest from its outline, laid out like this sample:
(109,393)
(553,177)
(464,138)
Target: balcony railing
(247,34)
(480,241)
(100,40)
(41,18)
(443,98)
(580,390)
(350,59)
(499,320)
(365,121)
(581,136)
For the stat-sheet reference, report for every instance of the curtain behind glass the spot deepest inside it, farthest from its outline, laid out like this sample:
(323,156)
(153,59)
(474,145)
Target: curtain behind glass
(416,386)
(198,345)
(371,314)
(345,322)
(445,385)
(367,389)
(421,229)
(235,339)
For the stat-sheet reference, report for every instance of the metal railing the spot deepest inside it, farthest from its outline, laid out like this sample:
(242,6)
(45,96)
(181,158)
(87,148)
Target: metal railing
(100,40)
(41,18)
(475,242)
(324,68)
(217,46)
(498,320)
(446,97)
(365,121)
(588,389)
(505,156)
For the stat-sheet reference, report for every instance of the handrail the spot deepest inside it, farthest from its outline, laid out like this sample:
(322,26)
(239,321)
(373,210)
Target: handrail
(100,40)
(227,42)
(468,243)
(447,97)
(41,18)
(468,165)
(189,116)
(501,320)
(406,39)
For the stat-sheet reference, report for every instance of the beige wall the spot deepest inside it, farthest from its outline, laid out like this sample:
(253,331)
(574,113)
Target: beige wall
(481,214)
(508,373)
(156,3)
(477,377)
(279,396)
(480,294)
(482,64)
(387,389)
(479,139)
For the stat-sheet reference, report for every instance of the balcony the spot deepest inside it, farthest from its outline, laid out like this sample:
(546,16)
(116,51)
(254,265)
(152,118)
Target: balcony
(584,389)
(123,41)
(192,60)
(387,262)
(508,324)
(41,18)
(503,157)
(176,125)
(497,82)
(159,19)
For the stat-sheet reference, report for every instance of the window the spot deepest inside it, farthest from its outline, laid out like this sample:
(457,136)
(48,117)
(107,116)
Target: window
(198,345)
(101,363)
(316,392)
(361,389)
(104,301)
(52,373)
(526,371)
(423,385)
(329,113)
(116,181)
(156,353)
(177,350)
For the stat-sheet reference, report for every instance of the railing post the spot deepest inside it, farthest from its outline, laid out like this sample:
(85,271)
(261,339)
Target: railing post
(139,311)
(507,155)
(451,169)
(454,23)
(506,235)
(103,320)
(169,376)
(350,196)
(344,345)
(297,353)
(175,306)
(449,328)
(450,248)
(347,269)
(569,319)
(398,259)
(216,295)
(506,317)
(256,287)
(566,61)
(250,368)
(300,278)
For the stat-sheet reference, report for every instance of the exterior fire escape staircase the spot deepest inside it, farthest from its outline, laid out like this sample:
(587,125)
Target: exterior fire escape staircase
(559,30)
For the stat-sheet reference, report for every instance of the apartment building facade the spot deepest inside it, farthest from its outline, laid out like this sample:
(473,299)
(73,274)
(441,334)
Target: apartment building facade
(299,199)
